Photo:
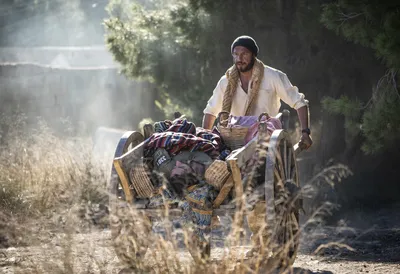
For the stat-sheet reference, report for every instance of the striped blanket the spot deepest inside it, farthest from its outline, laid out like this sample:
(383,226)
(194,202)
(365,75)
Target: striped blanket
(184,135)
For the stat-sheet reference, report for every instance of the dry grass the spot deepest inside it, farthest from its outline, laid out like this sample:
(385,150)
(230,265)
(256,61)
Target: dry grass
(51,178)
(43,173)
(142,251)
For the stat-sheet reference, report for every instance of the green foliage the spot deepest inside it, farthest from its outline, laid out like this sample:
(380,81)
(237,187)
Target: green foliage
(168,107)
(376,25)
(157,44)
(344,105)
(376,121)
(381,120)
(351,109)
(373,24)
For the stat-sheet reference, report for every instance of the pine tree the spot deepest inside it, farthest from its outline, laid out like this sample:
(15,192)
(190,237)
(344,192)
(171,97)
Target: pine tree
(373,24)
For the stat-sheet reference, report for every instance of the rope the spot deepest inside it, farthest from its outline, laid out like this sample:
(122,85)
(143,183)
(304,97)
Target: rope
(233,77)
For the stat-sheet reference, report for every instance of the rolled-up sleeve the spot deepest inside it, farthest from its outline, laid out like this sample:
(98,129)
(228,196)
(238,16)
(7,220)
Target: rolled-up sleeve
(214,104)
(288,93)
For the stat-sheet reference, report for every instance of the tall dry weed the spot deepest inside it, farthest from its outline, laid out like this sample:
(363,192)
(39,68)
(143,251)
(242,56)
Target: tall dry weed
(144,251)
(50,190)
(41,170)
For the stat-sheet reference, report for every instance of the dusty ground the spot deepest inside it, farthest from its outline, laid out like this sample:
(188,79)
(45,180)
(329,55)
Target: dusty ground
(374,239)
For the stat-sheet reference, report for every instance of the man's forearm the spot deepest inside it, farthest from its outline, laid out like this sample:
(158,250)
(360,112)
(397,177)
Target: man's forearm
(303,117)
(208,121)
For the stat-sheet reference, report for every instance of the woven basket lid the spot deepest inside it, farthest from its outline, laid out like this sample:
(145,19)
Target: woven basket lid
(217,173)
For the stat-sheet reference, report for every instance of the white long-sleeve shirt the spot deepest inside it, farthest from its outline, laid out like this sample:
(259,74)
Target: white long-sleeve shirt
(274,86)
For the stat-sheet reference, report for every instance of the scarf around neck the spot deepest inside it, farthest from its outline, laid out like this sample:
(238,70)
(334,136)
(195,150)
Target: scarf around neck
(233,78)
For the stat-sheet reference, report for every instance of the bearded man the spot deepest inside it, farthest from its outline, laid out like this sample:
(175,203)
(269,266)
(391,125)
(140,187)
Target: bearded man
(250,88)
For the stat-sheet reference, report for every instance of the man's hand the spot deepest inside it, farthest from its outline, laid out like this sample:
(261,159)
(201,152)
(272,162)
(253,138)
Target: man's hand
(305,141)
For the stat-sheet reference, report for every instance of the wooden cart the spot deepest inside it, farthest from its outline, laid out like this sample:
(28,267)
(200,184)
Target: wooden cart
(279,191)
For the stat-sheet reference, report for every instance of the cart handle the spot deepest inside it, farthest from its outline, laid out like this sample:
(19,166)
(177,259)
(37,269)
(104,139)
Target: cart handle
(299,147)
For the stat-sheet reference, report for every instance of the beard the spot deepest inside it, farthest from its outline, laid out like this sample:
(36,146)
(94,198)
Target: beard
(248,67)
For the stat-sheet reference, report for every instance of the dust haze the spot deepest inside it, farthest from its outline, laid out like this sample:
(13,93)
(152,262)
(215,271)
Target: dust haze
(54,65)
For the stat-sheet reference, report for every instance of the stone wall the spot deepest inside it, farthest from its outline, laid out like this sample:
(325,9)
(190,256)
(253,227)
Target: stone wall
(95,96)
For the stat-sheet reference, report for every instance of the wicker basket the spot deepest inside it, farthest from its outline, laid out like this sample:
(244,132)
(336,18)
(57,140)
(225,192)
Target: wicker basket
(224,191)
(234,136)
(217,173)
(139,177)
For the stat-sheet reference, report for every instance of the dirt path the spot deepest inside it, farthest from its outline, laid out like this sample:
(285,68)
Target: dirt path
(91,253)
(374,250)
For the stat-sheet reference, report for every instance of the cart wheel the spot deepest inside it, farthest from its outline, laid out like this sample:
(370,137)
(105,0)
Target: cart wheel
(282,198)
(128,227)
(129,140)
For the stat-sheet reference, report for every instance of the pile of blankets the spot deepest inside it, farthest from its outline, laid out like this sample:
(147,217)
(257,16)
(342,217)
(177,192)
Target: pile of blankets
(182,135)
(181,153)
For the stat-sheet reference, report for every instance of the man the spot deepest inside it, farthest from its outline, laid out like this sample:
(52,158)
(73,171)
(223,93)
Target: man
(250,88)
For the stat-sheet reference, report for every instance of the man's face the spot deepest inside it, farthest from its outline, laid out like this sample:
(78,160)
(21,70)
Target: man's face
(243,58)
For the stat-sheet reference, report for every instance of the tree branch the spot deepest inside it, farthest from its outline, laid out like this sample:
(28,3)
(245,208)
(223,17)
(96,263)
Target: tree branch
(343,17)
(390,79)
(393,74)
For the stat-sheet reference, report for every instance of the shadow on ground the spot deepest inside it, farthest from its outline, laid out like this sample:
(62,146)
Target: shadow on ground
(359,236)
(299,270)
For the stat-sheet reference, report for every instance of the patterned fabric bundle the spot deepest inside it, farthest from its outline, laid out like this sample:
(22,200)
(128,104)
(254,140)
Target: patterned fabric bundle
(179,125)
(182,125)
(197,207)
(162,126)
(225,153)
(183,135)
(197,210)
(174,142)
